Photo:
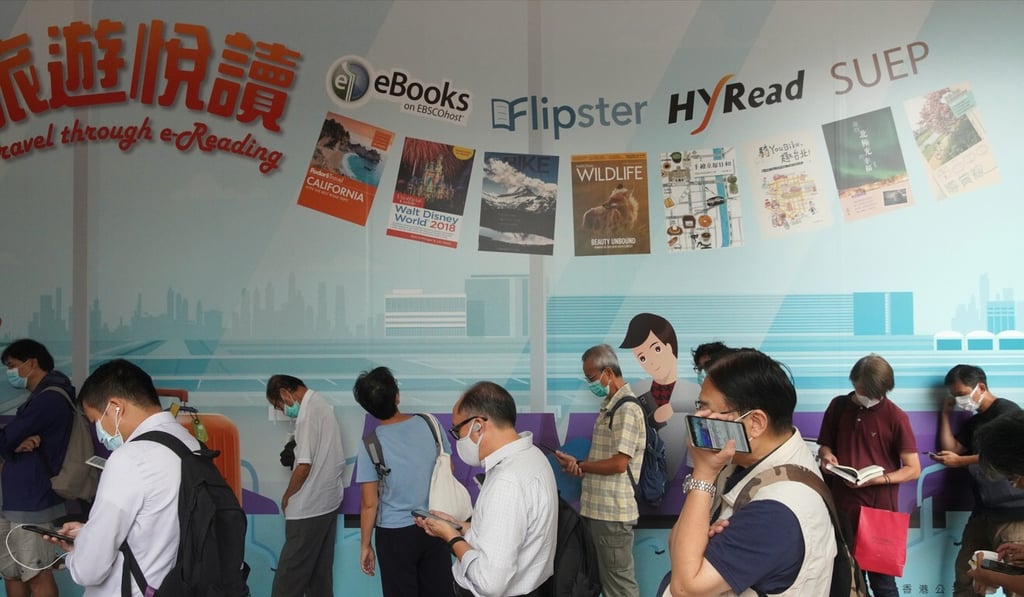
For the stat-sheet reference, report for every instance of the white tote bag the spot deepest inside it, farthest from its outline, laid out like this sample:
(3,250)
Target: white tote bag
(446,493)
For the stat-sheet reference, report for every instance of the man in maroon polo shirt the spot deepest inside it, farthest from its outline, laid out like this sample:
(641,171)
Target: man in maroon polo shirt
(863,428)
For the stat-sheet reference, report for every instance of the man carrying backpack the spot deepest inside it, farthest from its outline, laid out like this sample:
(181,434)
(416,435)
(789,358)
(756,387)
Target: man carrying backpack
(32,447)
(607,500)
(137,499)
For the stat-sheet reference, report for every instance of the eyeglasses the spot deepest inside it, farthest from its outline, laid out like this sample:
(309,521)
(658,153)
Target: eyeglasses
(454,429)
(700,406)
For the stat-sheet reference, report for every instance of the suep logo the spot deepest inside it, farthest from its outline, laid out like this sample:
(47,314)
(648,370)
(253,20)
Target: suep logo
(351,81)
(736,97)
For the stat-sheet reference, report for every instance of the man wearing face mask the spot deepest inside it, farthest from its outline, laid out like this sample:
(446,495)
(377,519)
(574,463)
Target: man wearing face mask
(137,499)
(32,447)
(998,514)
(310,502)
(509,549)
(607,499)
(863,428)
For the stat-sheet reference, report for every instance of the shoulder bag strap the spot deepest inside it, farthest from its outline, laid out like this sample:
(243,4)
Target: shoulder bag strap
(611,415)
(376,454)
(74,411)
(435,428)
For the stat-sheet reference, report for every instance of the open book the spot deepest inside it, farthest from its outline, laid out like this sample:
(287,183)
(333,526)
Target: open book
(855,476)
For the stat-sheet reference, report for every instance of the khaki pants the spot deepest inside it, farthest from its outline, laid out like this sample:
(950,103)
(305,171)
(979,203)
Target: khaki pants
(613,542)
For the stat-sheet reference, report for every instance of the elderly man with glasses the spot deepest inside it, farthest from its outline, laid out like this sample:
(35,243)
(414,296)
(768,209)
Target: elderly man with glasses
(509,548)
(780,542)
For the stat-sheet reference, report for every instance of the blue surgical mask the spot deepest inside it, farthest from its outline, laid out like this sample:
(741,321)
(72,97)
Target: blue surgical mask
(597,389)
(110,442)
(292,410)
(16,380)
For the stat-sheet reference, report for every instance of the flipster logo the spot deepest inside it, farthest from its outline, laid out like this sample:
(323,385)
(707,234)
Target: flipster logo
(734,96)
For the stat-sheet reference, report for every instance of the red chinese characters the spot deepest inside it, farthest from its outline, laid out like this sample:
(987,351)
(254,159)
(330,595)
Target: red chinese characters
(169,65)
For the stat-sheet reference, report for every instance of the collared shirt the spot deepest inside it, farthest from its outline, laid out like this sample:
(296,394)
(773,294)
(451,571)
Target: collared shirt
(138,499)
(514,524)
(318,444)
(611,497)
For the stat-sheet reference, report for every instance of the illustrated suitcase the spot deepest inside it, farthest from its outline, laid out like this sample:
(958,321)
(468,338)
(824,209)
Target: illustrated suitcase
(223,436)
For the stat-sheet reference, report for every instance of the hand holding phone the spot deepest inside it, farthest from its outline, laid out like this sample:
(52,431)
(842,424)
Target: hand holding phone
(48,533)
(417,513)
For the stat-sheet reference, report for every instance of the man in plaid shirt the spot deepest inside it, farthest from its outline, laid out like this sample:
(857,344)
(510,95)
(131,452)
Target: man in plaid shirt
(607,500)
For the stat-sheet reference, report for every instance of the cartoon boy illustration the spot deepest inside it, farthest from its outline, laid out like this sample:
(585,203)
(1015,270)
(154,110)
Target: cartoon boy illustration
(653,341)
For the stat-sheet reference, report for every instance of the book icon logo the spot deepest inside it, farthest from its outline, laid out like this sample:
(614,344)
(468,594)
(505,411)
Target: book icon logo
(348,81)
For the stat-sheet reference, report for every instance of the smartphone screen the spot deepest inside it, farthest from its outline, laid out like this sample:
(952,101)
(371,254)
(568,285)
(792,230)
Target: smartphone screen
(712,434)
(47,532)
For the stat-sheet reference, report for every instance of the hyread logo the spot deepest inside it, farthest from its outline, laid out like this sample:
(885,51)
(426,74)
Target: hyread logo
(351,80)
(348,81)
(734,97)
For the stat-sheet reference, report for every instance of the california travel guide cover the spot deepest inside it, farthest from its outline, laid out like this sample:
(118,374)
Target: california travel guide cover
(344,172)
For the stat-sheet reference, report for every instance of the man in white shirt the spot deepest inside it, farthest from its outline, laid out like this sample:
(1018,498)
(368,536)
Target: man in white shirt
(510,547)
(310,503)
(137,497)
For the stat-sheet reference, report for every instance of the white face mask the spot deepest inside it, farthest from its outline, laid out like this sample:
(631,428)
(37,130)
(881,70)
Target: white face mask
(966,402)
(865,401)
(469,451)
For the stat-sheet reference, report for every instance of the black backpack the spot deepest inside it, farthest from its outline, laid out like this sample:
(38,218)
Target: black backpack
(575,556)
(211,551)
(650,487)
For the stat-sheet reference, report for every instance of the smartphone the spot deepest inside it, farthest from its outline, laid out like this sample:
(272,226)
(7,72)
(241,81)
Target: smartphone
(424,514)
(97,461)
(48,533)
(1002,567)
(712,434)
(545,447)
(933,454)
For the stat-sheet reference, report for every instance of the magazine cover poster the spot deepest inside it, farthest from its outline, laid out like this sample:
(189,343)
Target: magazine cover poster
(787,185)
(701,197)
(344,173)
(952,141)
(867,164)
(609,204)
(430,193)
(517,209)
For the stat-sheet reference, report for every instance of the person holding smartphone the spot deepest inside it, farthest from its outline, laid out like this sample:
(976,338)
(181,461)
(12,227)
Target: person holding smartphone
(607,499)
(763,546)
(1000,446)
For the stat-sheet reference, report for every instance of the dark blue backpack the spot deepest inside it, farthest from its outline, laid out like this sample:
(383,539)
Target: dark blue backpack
(650,487)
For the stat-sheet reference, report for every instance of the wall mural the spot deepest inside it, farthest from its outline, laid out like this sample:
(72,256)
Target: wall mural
(221,194)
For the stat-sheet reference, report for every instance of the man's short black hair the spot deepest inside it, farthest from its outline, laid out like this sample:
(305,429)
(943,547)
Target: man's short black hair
(968,375)
(25,349)
(751,380)
(709,350)
(1000,445)
(643,324)
(488,399)
(279,382)
(377,391)
(118,379)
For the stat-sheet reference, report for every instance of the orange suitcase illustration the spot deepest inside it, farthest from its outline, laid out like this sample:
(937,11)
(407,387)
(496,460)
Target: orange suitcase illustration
(222,435)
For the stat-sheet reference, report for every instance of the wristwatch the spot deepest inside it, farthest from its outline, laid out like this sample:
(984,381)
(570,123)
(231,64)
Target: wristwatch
(689,484)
